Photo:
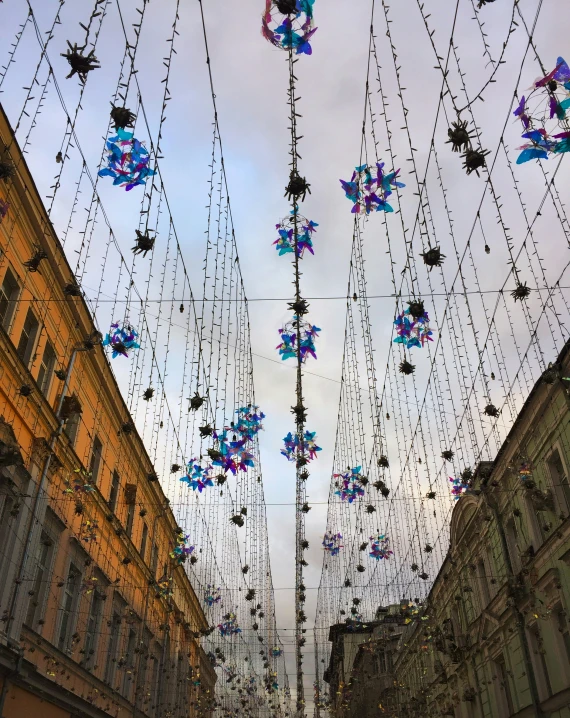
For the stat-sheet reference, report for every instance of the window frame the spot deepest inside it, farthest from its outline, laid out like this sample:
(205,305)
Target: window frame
(11,301)
(27,353)
(96,459)
(539,663)
(561,490)
(41,580)
(114,491)
(144,541)
(45,382)
(68,616)
(93,633)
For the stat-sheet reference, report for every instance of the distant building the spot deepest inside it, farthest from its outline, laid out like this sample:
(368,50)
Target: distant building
(495,636)
(95,618)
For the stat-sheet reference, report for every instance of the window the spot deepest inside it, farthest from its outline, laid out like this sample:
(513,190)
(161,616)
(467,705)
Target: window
(71,427)
(144,664)
(114,493)
(539,662)
(93,626)
(563,630)
(96,456)
(484,594)
(40,582)
(130,519)
(560,482)
(69,607)
(130,656)
(154,560)
(513,545)
(503,693)
(28,337)
(113,645)
(9,292)
(47,367)
(144,540)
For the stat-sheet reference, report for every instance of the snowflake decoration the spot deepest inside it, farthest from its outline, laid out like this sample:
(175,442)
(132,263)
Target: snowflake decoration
(412,331)
(4,207)
(459,487)
(332,543)
(232,456)
(369,189)
(212,596)
(301,452)
(182,550)
(229,627)
(544,115)
(380,545)
(249,421)
(298,331)
(198,477)
(127,161)
(121,339)
(351,486)
(285,244)
(288,25)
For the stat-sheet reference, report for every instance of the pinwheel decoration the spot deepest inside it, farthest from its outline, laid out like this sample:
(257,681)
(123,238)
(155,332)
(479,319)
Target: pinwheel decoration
(121,339)
(89,531)
(88,585)
(212,596)
(458,488)
(413,331)
(332,543)
(79,484)
(229,626)
(164,587)
(276,652)
(197,476)
(285,243)
(249,421)
(380,547)
(300,451)
(298,332)
(4,207)
(525,471)
(182,550)
(369,188)
(350,484)
(232,455)
(544,115)
(127,161)
(288,25)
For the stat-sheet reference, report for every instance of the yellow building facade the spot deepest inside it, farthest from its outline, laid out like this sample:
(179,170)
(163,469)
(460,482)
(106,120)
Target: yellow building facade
(96,618)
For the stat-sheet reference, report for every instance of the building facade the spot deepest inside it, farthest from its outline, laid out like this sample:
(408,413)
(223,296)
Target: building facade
(96,617)
(493,638)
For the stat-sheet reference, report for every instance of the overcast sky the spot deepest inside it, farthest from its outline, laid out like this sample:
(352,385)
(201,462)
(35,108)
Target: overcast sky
(250,79)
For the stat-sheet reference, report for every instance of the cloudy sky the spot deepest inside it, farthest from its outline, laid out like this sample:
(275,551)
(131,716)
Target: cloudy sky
(250,80)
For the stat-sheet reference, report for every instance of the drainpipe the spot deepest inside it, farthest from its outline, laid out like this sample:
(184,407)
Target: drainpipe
(34,517)
(519,617)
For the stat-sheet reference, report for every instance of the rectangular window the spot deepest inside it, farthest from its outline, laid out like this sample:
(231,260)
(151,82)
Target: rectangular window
(28,337)
(539,662)
(144,539)
(130,656)
(114,493)
(93,627)
(484,594)
(144,660)
(560,482)
(47,367)
(130,519)
(513,546)
(69,607)
(71,427)
(40,581)
(154,560)
(113,646)
(564,630)
(96,457)
(503,692)
(9,292)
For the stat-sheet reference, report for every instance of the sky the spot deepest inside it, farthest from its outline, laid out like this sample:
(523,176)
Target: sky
(250,81)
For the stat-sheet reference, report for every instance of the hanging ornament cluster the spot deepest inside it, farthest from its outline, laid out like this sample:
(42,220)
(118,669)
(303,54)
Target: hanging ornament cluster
(525,471)
(544,115)
(89,531)
(380,547)
(212,595)
(298,331)
(229,626)
(232,455)
(121,339)
(285,244)
(127,161)
(351,484)
(81,65)
(300,451)
(276,652)
(182,550)
(80,483)
(332,543)
(412,326)
(249,421)
(289,24)
(88,585)
(458,487)
(164,587)
(369,189)
(198,477)
(4,207)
